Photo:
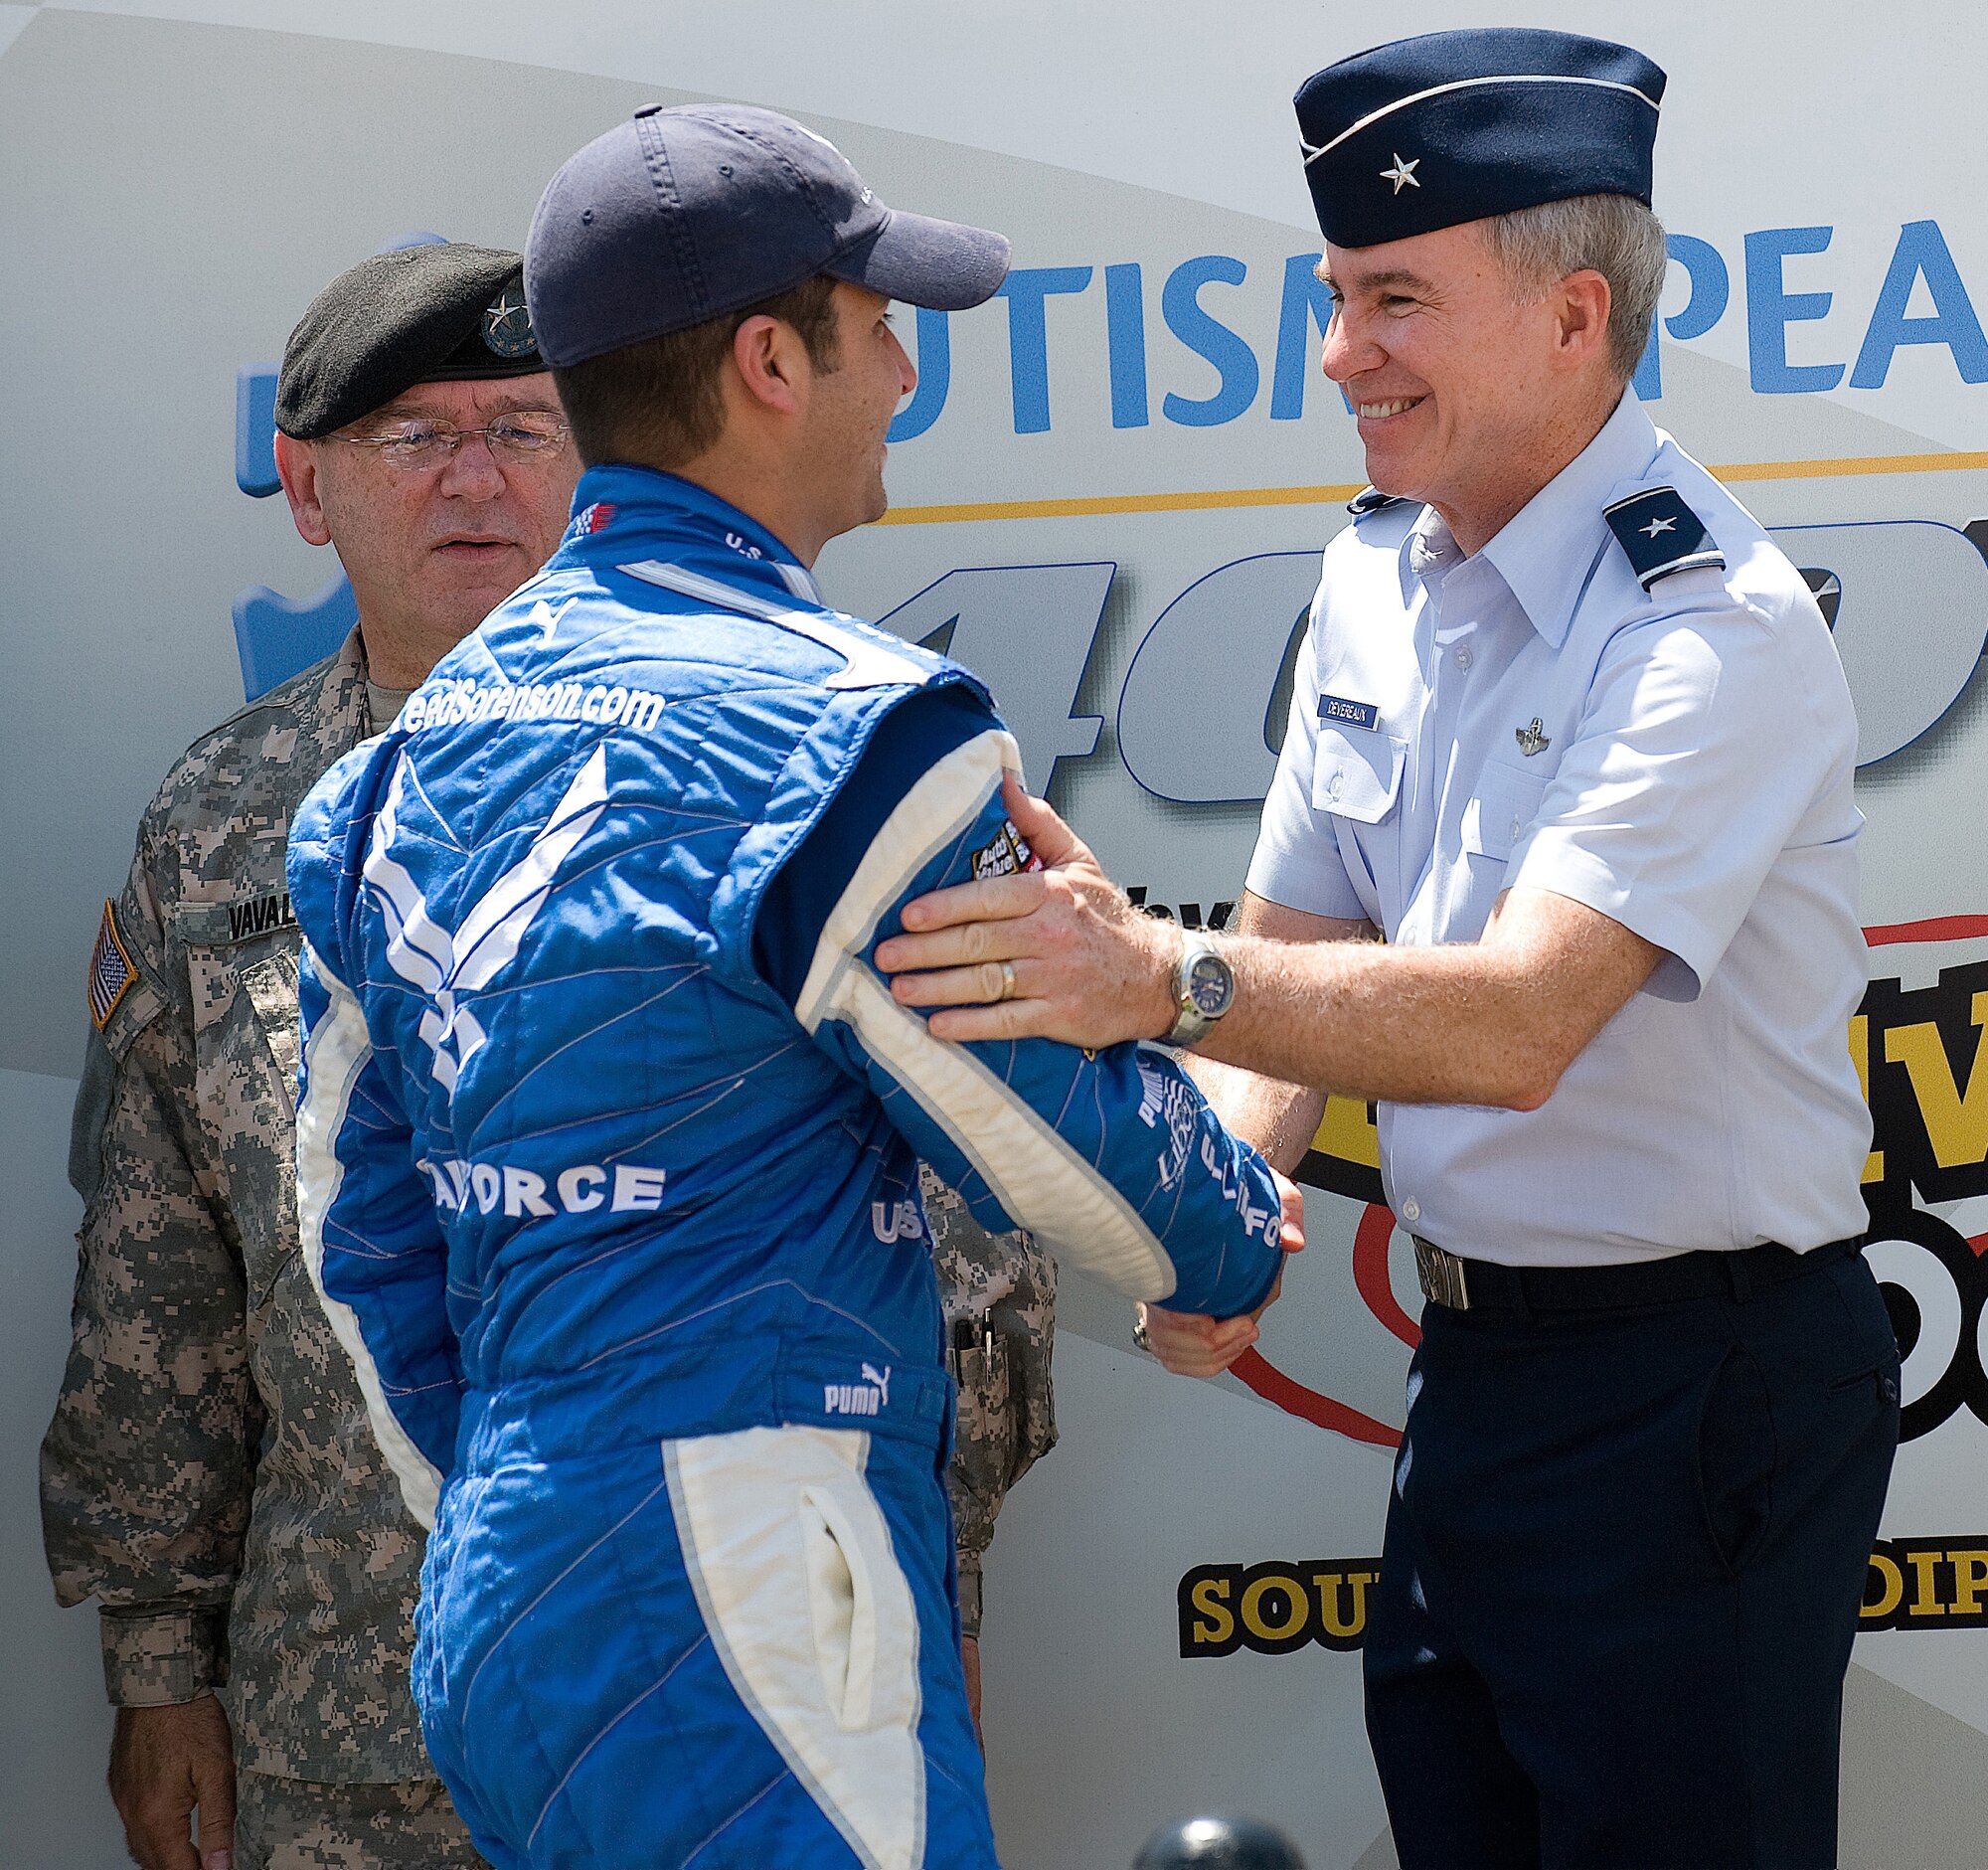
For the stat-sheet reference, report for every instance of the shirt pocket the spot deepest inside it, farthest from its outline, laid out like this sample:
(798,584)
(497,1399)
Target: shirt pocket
(1357,772)
(272,986)
(1502,812)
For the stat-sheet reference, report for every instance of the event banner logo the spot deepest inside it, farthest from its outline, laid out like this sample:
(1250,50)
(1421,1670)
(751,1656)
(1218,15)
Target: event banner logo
(1278,1607)
(1924,1066)
(1922,1057)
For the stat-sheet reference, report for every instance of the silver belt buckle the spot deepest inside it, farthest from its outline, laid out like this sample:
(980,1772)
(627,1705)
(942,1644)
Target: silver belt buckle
(1441,1275)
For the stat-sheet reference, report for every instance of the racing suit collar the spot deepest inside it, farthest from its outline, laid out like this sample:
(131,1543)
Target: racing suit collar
(616,505)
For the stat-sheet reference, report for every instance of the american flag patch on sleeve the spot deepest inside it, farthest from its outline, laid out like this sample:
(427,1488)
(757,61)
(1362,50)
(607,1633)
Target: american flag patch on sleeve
(111,969)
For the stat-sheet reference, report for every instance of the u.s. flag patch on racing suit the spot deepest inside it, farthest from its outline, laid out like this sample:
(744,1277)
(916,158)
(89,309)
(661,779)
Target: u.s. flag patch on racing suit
(111,969)
(1008,853)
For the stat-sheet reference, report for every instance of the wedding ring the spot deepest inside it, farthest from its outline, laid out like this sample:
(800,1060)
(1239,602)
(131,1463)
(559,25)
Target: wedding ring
(1007,980)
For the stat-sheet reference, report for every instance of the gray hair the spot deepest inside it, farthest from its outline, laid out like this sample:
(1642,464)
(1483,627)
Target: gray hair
(1612,235)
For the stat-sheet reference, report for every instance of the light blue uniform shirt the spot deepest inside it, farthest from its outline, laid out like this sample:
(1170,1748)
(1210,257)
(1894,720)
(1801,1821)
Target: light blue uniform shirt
(1680,761)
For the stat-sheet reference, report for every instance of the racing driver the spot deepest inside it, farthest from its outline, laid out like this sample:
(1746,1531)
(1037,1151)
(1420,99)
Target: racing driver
(609,1137)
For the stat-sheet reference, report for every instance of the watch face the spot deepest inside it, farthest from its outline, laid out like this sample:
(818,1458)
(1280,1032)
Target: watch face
(1211,986)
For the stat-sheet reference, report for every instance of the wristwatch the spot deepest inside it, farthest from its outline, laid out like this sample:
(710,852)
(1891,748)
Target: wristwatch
(1204,989)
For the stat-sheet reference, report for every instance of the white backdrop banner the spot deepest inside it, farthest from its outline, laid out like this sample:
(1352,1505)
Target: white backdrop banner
(1111,488)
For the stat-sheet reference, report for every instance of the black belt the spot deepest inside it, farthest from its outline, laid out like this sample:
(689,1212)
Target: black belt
(1477,1284)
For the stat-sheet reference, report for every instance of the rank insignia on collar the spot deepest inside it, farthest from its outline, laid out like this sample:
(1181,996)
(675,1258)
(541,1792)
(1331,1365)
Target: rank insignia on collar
(1661,534)
(1531,739)
(110,971)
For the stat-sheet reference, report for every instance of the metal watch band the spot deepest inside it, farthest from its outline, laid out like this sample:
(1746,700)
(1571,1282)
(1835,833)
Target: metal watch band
(1190,1022)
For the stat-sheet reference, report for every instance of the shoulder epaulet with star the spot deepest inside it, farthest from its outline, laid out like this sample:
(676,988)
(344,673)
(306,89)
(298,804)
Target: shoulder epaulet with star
(1661,534)
(1372,500)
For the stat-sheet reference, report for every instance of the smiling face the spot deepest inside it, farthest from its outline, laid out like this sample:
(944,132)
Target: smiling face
(849,409)
(1470,395)
(432,551)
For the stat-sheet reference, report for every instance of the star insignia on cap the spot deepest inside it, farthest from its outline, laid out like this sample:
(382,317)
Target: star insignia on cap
(507,324)
(1656,527)
(1403,174)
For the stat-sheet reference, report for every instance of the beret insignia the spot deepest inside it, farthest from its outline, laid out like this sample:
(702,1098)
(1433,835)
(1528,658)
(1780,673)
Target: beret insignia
(507,324)
(438,312)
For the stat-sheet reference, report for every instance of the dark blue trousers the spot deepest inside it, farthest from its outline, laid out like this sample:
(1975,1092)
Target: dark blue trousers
(1623,1562)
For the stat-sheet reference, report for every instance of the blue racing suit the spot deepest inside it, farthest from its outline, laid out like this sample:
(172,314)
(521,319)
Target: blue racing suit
(607,1146)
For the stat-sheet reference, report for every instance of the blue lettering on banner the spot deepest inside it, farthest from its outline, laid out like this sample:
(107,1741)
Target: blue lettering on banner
(1771,308)
(1026,289)
(1125,345)
(1028,629)
(277,638)
(256,430)
(1235,362)
(935,367)
(1921,254)
(1711,286)
(1708,289)
(1307,301)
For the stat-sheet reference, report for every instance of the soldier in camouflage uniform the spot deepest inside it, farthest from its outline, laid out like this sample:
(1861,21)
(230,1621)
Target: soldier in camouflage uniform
(999,1294)
(209,1476)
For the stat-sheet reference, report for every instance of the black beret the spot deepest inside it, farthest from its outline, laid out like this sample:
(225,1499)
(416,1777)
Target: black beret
(432,313)
(1430,133)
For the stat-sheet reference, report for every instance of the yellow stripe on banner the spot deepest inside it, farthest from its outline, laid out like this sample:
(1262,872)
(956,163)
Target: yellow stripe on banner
(1085,508)
(1849,464)
(1096,505)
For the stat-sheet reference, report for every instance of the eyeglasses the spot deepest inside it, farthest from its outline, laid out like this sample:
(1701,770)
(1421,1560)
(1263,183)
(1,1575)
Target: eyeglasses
(418,442)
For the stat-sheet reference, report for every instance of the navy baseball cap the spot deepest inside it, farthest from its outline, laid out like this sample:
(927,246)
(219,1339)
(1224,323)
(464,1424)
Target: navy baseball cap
(1430,133)
(683,213)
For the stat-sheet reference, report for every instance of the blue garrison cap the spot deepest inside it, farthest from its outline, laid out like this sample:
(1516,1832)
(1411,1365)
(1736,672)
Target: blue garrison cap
(683,213)
(1429,133)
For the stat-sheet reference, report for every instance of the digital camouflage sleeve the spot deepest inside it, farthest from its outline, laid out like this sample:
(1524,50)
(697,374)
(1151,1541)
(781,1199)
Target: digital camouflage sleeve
(999,1293)
(209,1477)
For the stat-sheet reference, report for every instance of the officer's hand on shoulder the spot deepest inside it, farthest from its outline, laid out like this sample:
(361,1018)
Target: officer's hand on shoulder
(1084,967)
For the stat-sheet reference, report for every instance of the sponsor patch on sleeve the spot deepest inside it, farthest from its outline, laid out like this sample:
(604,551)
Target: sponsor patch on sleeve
(111,969)
(1005,855)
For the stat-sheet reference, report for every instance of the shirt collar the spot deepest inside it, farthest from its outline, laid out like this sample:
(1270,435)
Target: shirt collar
(1545,551)
(617,504)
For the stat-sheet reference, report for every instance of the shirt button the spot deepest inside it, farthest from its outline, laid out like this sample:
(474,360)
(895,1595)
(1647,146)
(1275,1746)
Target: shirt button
(1464,658)
(1517,825)
(1412,1210)
(1335,786)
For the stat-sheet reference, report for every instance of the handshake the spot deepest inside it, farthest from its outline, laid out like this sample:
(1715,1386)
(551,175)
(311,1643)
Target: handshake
(1192,1344)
